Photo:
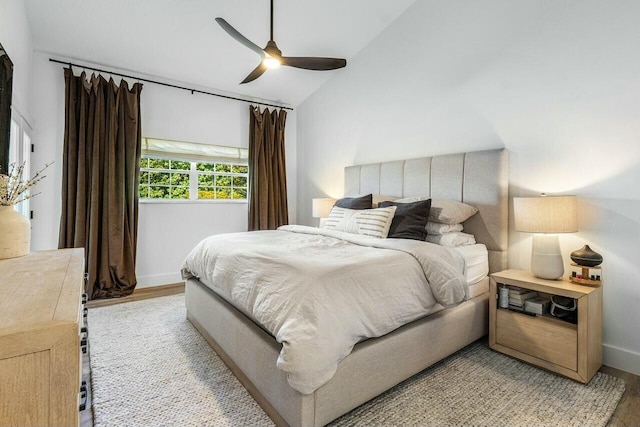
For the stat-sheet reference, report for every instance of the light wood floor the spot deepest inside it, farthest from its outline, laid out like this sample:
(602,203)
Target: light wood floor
(140,294)
(627,413)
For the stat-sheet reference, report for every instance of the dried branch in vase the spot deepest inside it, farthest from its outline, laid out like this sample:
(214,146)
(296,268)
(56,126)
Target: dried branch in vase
(14,188)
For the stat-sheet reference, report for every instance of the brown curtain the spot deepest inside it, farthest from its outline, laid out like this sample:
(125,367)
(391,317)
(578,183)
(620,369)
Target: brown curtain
(100,180)
(267,170)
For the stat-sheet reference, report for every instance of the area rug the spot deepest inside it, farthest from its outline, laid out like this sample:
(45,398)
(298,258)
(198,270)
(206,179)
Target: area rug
(150,367)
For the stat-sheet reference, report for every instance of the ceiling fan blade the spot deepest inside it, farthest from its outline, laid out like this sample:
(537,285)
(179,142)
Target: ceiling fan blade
(239,37)
(257,72)
(313,63)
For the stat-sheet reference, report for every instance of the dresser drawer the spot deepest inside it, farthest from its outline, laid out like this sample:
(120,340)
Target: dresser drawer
(545,338)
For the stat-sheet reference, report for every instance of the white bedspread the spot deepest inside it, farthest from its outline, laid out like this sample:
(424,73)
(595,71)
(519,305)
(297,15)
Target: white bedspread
(319,292)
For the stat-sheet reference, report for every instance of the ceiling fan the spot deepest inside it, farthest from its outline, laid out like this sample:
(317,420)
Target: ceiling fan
(272,56)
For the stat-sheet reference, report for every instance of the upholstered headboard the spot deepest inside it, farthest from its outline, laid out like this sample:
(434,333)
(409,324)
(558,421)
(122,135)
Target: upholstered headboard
(478,178)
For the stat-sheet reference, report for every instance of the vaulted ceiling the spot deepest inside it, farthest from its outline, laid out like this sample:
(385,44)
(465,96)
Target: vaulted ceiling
(180,41)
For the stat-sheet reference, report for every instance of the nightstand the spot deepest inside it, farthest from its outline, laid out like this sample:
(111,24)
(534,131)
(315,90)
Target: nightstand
(572,350)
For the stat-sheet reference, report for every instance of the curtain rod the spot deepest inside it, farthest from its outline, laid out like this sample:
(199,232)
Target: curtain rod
(71,64)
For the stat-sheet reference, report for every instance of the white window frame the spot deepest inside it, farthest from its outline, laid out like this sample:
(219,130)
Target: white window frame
(181,156)
(20,153)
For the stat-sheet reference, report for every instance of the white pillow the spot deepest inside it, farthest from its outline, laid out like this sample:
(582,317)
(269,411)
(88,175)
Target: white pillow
(437,228)
(453,239)
(445,211)
(368,222)
(450,211)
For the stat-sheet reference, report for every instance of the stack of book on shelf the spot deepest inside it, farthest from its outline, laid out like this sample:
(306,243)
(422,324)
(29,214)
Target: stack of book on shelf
(537,305)
(518,296)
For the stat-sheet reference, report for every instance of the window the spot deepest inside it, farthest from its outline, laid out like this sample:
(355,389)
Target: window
(222,181)
(164,179)
(20,154)
(186,171)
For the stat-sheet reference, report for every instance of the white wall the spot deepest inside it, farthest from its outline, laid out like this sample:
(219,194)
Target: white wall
(556,83)
(15,37)
(167,231)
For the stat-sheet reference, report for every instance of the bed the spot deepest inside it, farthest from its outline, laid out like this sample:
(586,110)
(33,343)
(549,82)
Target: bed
(374,365)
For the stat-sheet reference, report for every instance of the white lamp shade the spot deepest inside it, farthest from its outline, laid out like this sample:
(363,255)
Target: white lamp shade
(546,214)
(322,207)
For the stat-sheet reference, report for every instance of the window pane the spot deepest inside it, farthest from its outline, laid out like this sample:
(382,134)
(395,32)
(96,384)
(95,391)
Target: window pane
(180,179)
(144,191)
(180,192)
(158,164)
(221,167)
(158,192)
(144,162)
(204,167)
(160,178)
(206,193)
(239,193)
(239,169)
(205,179)
(183,166)
(239,181)
(144,177)
(223,193)
(223,181)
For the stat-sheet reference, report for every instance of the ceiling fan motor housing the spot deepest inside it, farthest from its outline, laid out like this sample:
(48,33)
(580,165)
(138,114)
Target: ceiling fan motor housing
(272,49)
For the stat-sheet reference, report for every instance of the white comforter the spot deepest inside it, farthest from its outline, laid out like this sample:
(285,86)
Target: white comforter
(319,292)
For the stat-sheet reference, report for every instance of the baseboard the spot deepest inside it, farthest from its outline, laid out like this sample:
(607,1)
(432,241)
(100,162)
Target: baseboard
(158,280)
(620,358)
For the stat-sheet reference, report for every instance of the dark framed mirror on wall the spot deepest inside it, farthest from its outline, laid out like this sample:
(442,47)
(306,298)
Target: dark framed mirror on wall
(6,80)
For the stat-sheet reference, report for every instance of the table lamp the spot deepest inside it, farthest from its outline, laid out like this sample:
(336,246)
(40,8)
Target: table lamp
(321,208)
(546,216)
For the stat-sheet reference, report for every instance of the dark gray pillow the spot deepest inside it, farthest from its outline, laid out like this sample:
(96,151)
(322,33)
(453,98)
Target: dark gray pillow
(358,203)
(410,220)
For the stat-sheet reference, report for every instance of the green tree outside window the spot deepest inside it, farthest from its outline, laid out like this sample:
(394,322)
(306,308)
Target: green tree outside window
(171,179)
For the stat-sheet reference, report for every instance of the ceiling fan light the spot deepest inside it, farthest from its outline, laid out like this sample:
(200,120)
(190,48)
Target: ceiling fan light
(271,62)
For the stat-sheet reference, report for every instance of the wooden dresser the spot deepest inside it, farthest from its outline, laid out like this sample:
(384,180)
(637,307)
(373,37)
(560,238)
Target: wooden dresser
(40,318)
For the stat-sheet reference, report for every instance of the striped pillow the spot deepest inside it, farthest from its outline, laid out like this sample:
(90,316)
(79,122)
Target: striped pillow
(368,222)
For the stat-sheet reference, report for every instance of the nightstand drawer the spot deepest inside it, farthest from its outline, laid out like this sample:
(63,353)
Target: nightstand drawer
(545,338)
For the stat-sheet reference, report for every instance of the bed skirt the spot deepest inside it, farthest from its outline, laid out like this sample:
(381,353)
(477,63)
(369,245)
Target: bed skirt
(374,366)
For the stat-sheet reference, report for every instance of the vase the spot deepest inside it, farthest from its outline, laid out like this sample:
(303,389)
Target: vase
(586,256)
(15,233)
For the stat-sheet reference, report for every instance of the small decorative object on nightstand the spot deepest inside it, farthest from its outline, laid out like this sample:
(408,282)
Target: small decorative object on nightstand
(586,278)
(586,259)
(586,256)
(552,342)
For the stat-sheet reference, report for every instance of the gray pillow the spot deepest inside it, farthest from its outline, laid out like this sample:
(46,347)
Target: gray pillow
(357,203)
